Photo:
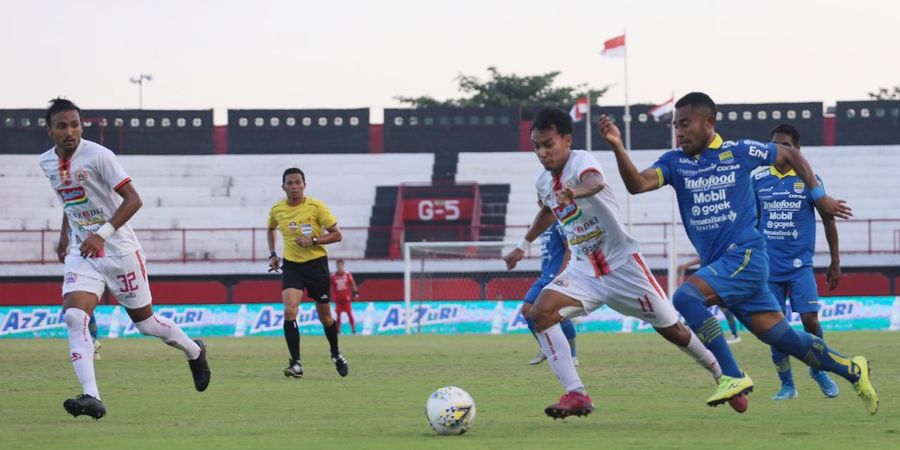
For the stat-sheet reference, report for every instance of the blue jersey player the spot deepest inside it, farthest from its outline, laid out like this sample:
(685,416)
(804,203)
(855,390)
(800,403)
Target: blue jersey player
(553,254)
(788,222)
(711,178)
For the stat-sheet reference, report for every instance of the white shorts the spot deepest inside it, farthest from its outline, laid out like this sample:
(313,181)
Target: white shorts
(629,289)
(125,276)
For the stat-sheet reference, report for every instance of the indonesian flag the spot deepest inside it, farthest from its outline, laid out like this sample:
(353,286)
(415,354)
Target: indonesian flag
(662,109)
(615,47)
(579,109)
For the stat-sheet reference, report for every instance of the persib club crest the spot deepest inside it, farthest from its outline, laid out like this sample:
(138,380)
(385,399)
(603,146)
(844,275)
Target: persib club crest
(799,186)
(726,157)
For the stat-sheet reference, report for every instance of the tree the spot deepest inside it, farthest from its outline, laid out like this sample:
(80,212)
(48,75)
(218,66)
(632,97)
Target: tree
(885,94)
(509,90)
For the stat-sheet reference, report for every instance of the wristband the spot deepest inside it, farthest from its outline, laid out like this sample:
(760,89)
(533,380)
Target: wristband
(315,241)
(273,255)
(523,245)
(817,192)
(105,231)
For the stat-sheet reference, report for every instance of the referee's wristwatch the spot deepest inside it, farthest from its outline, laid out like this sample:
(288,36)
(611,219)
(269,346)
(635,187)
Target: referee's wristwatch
(315,241)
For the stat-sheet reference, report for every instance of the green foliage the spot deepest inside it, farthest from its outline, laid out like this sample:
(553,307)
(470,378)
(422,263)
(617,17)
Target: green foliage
(886,94)
(508,90)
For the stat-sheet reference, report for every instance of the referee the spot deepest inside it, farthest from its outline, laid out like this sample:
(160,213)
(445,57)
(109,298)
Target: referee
(306,226)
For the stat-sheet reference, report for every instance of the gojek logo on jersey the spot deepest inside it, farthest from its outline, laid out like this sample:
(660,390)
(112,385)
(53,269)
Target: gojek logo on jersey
(710,182)
(19,321)
(271,319)
(567,213)
(423,315)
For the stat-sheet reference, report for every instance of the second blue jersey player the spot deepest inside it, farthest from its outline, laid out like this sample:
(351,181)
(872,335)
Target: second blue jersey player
(553,255)
(712,182)
(788,222)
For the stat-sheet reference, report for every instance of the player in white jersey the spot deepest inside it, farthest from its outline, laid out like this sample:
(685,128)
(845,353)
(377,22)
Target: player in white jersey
(606,266)
(104,252)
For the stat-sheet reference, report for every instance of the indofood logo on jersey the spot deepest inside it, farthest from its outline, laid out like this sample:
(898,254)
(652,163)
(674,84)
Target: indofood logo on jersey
(19,321)
(712,181)
(779,205)
(423,315)
(567,213)
(72,196)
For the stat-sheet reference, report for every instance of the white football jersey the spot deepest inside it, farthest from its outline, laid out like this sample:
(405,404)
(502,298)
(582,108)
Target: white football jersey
(597,239)
(86,186)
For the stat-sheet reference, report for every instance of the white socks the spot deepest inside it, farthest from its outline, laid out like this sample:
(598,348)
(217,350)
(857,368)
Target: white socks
(170,333)
(81,350)
(702,355)
(559,356)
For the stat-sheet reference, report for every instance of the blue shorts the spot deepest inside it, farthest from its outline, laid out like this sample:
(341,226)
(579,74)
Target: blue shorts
(802,290)
(740,278)
(536,288)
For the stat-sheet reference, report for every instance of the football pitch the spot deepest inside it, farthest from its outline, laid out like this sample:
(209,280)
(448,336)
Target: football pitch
(647,393)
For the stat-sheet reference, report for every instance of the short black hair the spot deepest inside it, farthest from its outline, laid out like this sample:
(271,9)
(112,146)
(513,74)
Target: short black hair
(697,99)
(340,261)
(58,105)
(788,130)
(550,118)
(290,171)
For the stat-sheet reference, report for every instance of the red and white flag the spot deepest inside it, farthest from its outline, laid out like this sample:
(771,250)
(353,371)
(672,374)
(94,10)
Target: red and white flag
(662,109)
(615,47)
(579,109)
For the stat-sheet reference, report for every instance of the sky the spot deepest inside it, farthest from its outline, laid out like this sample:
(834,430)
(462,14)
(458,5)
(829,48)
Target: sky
(357,54)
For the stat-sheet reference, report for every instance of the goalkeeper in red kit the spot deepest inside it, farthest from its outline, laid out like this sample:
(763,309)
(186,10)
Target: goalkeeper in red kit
(343,291)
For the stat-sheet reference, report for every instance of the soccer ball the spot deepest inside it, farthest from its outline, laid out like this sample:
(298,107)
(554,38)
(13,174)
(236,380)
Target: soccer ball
(450,410)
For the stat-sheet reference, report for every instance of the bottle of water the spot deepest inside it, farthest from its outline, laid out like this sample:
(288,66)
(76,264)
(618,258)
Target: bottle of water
(497,319)
(240,325)
(369,320)
(114,323)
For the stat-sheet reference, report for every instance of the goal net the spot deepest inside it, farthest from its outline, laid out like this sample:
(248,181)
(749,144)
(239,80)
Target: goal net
(461,272)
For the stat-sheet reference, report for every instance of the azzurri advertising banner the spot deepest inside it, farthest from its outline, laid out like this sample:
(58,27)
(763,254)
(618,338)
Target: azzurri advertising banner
(382,318)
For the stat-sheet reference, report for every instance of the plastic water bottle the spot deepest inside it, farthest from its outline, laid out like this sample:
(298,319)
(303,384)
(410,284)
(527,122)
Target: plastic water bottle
(497,319)
(114,323)
(240,326)
(895,315)
(369,320)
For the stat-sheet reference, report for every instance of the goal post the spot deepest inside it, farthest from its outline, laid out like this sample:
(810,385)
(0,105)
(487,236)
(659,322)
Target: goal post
(463,271)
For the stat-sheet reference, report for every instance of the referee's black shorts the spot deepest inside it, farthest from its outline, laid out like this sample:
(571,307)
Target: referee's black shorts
(312,275)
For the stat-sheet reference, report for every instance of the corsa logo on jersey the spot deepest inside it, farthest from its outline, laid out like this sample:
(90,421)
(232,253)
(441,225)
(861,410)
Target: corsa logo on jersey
(72,196)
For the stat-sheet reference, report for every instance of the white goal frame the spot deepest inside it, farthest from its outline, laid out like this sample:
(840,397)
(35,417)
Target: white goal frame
(671,272)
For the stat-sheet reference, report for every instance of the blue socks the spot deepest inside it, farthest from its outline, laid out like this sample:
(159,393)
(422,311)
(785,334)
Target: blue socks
(810,349)
(692,305)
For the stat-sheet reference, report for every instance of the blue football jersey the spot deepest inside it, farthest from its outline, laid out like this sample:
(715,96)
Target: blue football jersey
(787,220)
(553,250)
(715,194)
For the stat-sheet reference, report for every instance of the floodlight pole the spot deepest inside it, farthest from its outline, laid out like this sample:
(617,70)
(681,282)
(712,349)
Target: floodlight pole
(139,80)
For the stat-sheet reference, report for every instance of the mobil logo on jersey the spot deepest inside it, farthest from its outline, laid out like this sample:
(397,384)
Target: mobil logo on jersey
(710,182)
(72,196)
(31,320)
(567,213)
(423,315)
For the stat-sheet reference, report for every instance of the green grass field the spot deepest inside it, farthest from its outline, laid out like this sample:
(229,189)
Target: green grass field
(647,393)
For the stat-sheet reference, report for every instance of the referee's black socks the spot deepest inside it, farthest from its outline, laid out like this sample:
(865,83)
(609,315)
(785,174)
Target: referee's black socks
(331,332)
(292,337)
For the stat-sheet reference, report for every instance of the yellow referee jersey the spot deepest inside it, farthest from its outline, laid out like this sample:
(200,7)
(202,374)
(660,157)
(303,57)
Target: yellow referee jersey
(310,218)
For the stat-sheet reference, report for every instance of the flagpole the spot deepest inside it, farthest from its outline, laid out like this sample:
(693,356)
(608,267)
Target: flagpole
(673,260)
(587,125)
(627,119)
